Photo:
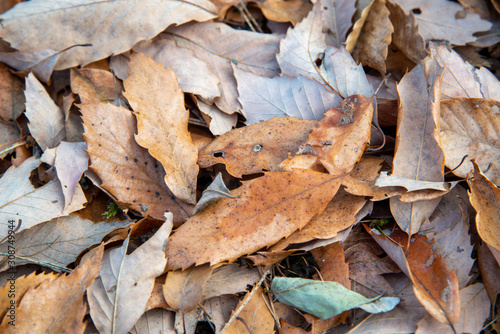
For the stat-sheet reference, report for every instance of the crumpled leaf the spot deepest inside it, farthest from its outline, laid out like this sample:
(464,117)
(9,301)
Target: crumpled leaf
(268,208)
(326,299)
(371,35)
(385,180)
(438,20)
(215,191)
(264,98)
(485,198)
(127,171)
(46,120)
(162,122)
(71,162)
(118,297)
(418,155)
(471,127)
(256,147)
(35,25)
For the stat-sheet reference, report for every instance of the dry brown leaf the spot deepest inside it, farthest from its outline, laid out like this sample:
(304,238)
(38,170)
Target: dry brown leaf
(155,321)
(218,121)
(257,147)
(406,36)
(229,280)
(118,297)
(471,127)
(111,27)
(11,95)
(435,286)
(418,155)
(183,289)
(285,11)
(46,120)
(63,307)
(255,315)
(332,264)
(126,169)
(485,198)
(371,36)
(94,85)
(71,162)
(490,271)
(268,208)
(440,20)
(162,122)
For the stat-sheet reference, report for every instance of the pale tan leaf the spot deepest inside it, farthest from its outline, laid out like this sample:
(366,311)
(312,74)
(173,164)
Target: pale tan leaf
(155,321)
(63,307)
(220,46)
(218,121)
(385,180)
(440,20)
(418,155)
(264,98)
(71,162)
(118,297)
(127,170)
(474,311)
(490,85)
(95,85)
(228,280)
(471,127)
(9,135)
(111,27)
(59,241)
(374,36)
(19,200)
(162,122)
(46,120)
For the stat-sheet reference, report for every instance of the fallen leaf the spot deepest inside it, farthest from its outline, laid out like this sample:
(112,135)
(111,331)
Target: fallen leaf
(215,191)
(332,264)
(71,162)
(485,198)
(475,309)
(385,180)
(438,20)
(162,122)
(326,299)
(371,35)
(490,271)
(435,286)
(268,208)
(471,127)
(264,98)
(155,321)
(256,147)
(118,297)
(27,25)
(63,308)
(490,85)
(229,280)
(46,120)
(95,85)
(255,316)
(418,155)
(9,137)
(285,11)
(183,289)
(218,121)
(11,95)
(126,169)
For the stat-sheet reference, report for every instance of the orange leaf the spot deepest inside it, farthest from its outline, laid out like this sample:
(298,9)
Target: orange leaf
(268,208)
(162,122)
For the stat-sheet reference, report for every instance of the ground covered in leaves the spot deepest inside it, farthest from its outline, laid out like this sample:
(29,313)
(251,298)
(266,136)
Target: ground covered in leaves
(249,166)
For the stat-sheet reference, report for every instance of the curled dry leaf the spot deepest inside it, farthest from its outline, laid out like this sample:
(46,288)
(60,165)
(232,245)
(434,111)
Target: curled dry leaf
(485,198)
(418,155)
(268,208)
(291,11)
(162,123)
(435,286)
(215,191)
(256,147)
(385,180)
(471,127)
(35,25)
(126,169)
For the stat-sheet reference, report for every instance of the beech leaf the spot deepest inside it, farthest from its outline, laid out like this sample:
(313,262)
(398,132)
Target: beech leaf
(326,299)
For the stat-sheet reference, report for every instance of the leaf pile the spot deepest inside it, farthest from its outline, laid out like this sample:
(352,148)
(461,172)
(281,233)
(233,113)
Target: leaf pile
(257,167)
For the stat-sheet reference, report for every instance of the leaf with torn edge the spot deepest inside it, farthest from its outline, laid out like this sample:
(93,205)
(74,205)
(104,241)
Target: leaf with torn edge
(385,180)
(118,297)
(326,299)
(215,191)
(162,123)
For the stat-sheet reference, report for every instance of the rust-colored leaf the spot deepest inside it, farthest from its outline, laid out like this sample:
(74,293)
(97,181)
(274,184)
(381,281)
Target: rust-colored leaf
(257,147)
(126,169)
(268,208)
(162,122)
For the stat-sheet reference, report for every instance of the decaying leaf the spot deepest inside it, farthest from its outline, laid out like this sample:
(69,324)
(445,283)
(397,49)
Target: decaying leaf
(118,297)
(256,147)
(126,169)
(326,299)
(268,208)
(162,122)
(385,180)
(215,191)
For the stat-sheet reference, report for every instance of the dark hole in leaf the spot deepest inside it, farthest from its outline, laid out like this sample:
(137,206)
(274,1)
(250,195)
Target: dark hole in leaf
(416,11)
(258,147)
(204,327)
(218,154)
